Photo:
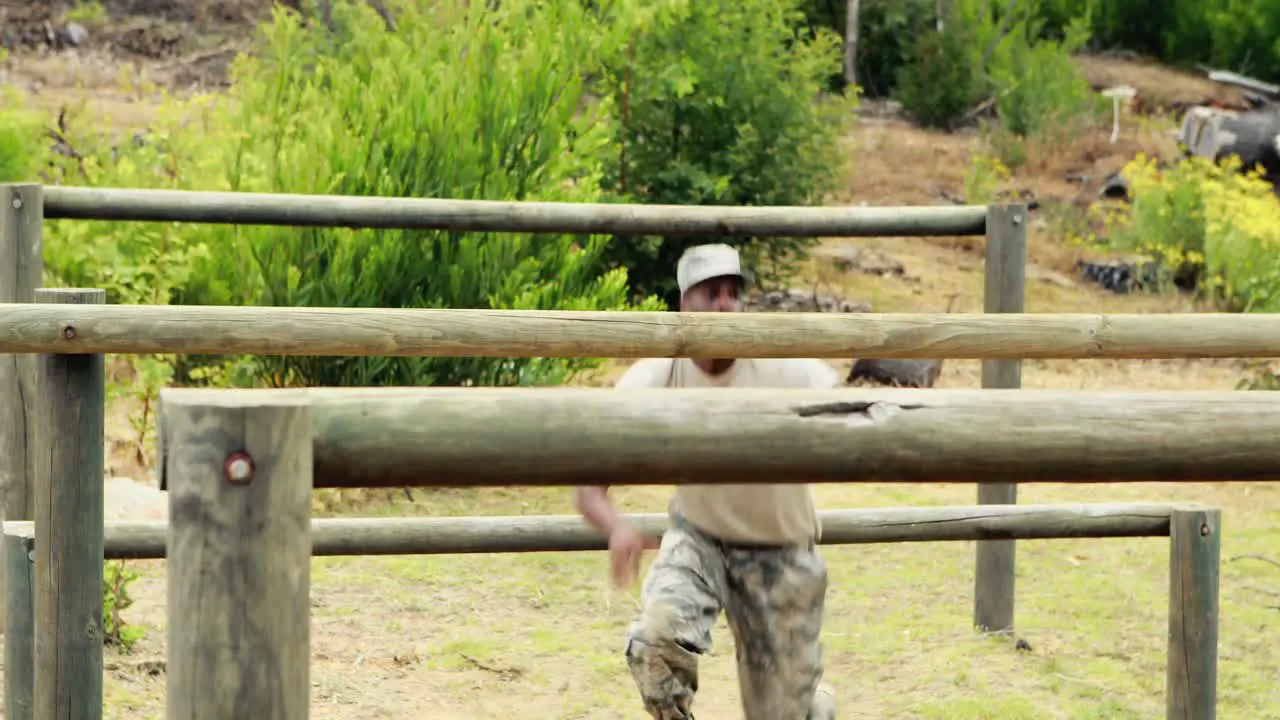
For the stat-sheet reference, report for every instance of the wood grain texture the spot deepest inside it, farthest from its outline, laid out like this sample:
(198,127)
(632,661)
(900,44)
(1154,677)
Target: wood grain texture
(1195,546)
(17,550)
(402,437)
(500,216)
(1005,292)
(68,471)
(238,635)
(548,333)
(567,533)
(21,272)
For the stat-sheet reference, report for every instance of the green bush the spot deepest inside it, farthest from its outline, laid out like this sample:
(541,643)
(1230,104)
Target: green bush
(23,149)
(116,577)
(988,49)
(1235,35)
(461,102)
(433,110)
(1207,224)
(1039,91)
(886,30)
(942,79)
(721,102)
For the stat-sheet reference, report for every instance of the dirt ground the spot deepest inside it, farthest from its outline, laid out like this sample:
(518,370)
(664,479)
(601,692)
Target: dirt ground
(540,635)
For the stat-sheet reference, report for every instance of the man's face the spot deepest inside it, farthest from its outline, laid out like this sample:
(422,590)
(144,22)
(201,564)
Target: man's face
(718,294)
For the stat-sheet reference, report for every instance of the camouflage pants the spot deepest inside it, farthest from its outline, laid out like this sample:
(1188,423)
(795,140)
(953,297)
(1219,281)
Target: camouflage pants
(774,600)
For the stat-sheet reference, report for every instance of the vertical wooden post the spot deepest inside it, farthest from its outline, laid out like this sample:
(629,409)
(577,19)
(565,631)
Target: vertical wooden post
(1195,542)
(69,468)
(239,465)
(1005,290)
(17,550)
(21,272)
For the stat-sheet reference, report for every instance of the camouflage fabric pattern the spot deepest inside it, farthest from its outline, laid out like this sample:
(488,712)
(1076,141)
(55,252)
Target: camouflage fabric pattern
(774,599)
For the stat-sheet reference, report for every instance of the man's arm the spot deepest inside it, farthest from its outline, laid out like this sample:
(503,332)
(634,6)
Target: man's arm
(593,502)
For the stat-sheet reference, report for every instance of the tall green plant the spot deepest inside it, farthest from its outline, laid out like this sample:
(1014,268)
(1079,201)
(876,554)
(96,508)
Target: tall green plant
(886,30)
(943,78)
(721,102)
(1038,90)
(1237,35)
(462,101)
(23,149)
(998,50)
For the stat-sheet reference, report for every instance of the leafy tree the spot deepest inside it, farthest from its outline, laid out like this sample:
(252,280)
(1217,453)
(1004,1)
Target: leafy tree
(721,102)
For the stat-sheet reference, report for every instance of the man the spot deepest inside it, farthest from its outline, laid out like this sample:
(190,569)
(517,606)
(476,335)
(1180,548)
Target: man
(749,550)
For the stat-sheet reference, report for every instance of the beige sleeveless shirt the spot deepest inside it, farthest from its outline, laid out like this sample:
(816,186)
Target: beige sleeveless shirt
(750,513)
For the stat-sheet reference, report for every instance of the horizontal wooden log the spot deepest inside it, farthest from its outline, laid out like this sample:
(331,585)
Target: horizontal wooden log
(240,208)
(43,328)
(460,437)
(566,533)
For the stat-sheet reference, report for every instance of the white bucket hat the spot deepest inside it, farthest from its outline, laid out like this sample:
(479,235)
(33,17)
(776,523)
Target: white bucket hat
(703,262)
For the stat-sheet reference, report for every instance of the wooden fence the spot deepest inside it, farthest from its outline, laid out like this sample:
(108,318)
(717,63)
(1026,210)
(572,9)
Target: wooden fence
(241,464)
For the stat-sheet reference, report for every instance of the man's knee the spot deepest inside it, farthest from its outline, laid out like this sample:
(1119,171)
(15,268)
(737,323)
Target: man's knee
(662,649)
(662,643)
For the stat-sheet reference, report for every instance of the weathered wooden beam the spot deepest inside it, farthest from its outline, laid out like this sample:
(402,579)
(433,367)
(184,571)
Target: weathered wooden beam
(17,551)
(21,272)
(1005,291)
(241,208)
(145,540)
(459,437)
(69,497)
(238,642)
(1195,545)
(388,332)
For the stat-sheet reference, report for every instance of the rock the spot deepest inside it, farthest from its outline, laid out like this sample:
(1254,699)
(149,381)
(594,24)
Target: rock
(865,261)
(1115,187)
(1052,277)
(75,34)
(801,301)
(1253,135)
(152,667)
(896,373)
(129,501)
(1120,278)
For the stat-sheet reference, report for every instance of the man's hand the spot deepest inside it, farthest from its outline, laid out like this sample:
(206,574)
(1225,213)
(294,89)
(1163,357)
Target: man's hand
(626,544)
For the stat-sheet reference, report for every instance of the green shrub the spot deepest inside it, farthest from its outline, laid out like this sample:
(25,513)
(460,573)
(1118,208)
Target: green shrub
(116,577)
(1038,89)
(1236,35)
(988,49)
(1209,226)
(942,79)
(1206,223)
(460,102)
(135,263)
(23,149)
(721,102)
(886,29)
